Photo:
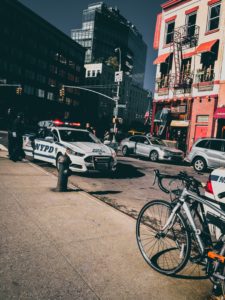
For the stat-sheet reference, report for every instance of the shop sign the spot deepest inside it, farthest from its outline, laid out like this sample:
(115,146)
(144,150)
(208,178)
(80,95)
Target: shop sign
(181,109)
(178,123)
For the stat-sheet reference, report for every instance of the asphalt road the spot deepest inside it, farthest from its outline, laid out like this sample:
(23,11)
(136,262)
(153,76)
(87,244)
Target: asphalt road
(130,188)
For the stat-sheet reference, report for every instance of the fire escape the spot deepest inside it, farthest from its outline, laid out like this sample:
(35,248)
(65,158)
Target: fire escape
(184,37)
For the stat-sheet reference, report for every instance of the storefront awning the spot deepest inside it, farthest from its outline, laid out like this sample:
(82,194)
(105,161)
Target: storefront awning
(161,59)
(178,123)
(220,113)
(205,47)
(188,55)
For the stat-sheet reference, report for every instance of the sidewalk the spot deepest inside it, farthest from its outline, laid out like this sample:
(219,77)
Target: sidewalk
(72,246)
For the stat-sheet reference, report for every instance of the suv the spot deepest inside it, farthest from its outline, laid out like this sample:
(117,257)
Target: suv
(207,153)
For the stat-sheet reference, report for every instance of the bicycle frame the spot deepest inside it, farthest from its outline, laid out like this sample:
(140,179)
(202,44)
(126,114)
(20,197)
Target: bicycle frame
(182,203)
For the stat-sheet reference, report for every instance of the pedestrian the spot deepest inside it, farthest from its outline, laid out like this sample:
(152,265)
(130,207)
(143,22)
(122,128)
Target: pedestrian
(10,119)
(17,152)
(89,128)
(107,136)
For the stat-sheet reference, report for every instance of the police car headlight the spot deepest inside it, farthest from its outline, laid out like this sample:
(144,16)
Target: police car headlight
(72,152)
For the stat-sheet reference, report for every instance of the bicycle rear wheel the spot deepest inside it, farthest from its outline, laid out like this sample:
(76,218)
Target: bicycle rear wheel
(166,252)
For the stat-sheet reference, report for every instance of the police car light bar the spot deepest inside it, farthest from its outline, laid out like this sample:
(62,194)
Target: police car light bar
(58,122)
(50,123)
(75,124)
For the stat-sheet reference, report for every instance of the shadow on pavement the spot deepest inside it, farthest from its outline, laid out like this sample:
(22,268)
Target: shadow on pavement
(124,171)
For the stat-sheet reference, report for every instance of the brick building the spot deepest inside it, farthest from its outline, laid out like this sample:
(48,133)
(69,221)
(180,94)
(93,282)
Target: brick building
(189,93)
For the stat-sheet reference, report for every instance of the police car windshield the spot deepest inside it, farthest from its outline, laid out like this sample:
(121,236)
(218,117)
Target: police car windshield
(78,136)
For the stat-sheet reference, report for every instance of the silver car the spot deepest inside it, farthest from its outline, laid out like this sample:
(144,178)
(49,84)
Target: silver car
(153,148)
(207,153)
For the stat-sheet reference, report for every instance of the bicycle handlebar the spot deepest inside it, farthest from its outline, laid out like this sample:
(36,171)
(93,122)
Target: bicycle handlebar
(190,181)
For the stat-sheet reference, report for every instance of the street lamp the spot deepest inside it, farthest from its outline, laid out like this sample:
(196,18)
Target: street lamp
(118,79)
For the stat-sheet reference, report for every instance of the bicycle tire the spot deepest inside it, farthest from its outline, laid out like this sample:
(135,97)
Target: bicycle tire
(148,221)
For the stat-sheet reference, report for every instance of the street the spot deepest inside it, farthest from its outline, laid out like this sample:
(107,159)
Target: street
(132,185)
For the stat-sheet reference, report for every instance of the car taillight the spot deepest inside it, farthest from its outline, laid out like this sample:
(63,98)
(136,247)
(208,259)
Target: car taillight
(209,187)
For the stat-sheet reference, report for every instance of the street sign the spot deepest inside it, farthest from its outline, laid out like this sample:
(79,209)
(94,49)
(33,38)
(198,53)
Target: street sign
(119,76)
(115,111)
(121,105)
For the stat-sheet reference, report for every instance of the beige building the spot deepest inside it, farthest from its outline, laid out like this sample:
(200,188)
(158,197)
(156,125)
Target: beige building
(190,37)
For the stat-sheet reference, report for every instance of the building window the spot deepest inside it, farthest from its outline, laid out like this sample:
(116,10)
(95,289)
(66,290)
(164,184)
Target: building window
(41,78)
(93,73)
(52,82)
(169,32)
(50,96)
(88,73)
(191,22)
(68,101)
(214,17)
(208,60)
(29,90)
(202,119)
(40,93)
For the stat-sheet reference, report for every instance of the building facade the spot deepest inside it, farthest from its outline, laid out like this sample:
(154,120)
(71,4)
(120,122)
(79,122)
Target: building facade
(100,77)
(41,59)
(103,30)
(190,41)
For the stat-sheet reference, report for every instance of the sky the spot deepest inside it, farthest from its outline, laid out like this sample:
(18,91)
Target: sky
(67,15)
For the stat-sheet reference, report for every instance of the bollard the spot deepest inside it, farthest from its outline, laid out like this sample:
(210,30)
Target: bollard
(64,173)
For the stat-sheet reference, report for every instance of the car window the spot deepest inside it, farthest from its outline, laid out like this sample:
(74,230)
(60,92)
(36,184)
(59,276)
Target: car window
(55,135)
(203,144)
(43,133)
(157,142)
(216,145)
(78,136)
(134,138)
(142,139)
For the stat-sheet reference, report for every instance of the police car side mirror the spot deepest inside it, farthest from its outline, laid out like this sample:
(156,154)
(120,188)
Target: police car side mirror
(107,142)
(49,139)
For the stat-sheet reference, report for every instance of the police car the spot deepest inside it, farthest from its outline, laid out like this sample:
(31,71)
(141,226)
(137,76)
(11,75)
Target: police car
(84,149)
(215,190)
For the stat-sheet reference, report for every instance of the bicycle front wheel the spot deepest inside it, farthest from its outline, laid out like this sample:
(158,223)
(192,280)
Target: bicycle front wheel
(165,251)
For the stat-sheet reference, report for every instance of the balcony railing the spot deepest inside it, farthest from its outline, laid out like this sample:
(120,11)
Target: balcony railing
(169,81)
(205,75)
(187,35)
(163,82)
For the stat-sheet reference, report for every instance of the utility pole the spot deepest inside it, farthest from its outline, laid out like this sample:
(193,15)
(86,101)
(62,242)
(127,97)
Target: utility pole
(118,79)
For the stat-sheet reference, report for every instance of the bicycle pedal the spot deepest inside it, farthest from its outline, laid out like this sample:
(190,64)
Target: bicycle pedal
(216,256)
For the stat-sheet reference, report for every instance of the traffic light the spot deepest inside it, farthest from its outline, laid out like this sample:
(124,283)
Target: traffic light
(62,92)
(19,91)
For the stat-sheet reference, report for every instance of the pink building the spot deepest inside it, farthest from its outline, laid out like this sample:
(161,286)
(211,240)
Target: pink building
(189,92)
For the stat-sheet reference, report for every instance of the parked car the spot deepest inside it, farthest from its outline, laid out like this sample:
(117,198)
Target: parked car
(207,153)
(153,148)
(85,150)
